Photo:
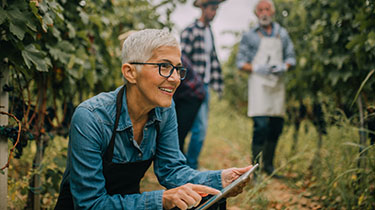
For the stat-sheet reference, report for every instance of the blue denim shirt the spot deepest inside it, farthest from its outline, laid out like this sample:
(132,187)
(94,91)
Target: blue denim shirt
(250,41)
(90,133)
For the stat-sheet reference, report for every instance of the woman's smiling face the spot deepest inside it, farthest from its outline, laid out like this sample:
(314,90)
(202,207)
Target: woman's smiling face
(155,90)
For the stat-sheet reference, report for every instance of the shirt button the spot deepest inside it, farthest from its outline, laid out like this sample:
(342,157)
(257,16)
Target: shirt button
(145,129)
(140,155)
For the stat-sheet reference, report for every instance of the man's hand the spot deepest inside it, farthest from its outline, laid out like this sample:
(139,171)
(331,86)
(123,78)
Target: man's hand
(262,69)
(231,174)
(279,69)
(186,196)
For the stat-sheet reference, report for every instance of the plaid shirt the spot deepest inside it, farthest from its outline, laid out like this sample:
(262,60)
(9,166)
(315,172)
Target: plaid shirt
(192,86)
(192,45)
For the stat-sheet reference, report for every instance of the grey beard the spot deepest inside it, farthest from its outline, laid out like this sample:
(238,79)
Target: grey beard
(265,20)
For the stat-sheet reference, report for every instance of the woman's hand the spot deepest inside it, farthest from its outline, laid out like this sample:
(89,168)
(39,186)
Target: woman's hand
(186,196)
(231,174)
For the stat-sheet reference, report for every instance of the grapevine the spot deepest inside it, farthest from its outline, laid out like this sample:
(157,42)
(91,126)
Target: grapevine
(17,140)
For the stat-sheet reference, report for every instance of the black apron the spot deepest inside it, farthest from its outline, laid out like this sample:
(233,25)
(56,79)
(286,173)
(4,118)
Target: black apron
(120,178)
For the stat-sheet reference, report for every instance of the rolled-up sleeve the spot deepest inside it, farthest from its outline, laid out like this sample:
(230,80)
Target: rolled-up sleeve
(87,181)
(247,49)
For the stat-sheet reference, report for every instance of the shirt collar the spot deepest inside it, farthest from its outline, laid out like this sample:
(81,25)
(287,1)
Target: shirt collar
(275,27)
(125,122)
(199,24)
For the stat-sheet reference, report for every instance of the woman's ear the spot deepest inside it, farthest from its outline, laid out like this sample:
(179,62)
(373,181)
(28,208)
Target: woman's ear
(129,72)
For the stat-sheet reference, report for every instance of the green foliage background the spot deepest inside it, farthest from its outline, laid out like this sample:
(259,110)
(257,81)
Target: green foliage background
(60,51)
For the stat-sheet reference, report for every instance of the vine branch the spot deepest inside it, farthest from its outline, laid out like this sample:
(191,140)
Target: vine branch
(18,138)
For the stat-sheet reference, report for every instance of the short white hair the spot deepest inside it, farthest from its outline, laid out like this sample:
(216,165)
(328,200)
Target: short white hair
(139,46)
(268,1)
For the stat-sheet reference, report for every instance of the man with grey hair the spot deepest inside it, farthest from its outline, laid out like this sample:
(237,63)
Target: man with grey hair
(115,136)
(266,52)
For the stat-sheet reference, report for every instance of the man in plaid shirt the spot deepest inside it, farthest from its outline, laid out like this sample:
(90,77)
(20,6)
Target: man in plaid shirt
(188,99)
(197,43)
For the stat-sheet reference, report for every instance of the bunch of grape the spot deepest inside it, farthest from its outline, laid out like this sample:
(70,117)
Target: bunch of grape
(12,134)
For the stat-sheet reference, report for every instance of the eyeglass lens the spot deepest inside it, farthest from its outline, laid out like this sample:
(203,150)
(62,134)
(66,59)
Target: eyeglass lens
(166,70)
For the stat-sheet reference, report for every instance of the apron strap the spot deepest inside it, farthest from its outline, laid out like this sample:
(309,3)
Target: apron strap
(108,155)
(109,152)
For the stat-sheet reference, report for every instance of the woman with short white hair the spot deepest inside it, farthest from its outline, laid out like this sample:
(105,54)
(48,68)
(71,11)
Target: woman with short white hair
(115,136)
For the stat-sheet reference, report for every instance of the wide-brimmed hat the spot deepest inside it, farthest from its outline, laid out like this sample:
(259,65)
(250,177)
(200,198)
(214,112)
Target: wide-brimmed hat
(199,3)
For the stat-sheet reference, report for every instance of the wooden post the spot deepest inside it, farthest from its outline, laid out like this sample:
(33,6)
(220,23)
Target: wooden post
(37,183)
(3,140)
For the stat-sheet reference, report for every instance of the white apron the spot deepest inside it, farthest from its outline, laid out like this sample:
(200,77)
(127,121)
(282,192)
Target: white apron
(267,92)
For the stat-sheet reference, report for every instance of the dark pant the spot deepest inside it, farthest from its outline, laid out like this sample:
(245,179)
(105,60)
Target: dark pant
(186,111)
(266,134)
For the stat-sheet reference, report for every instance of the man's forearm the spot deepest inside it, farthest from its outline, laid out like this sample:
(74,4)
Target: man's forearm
(247,67)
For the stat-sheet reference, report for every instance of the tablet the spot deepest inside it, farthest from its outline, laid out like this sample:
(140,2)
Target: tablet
(226,190)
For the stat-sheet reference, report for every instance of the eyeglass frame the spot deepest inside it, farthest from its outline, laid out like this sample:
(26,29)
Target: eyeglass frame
(178,68)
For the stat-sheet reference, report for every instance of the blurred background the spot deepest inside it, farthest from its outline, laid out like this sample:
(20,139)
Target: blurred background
(56,53)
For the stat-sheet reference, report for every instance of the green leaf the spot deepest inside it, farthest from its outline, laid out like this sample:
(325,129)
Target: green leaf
(56,33)
(66,46)
(16,15)
(43,6)
(33,7)
(371,39)
(335,17)
(72,31)
(3,15)
(31,24)
(57,9)
(84,17)
(71,61)
(97,21)
(31,55)
(58,54)
(355,41)
(47,19)
(35,11)
(17,30)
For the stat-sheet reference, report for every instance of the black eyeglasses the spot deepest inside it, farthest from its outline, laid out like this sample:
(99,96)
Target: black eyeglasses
(166,69)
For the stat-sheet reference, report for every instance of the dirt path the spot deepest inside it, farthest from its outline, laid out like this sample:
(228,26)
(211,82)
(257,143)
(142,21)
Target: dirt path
(281,196)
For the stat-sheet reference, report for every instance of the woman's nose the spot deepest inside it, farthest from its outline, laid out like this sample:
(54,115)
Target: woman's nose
(174,76)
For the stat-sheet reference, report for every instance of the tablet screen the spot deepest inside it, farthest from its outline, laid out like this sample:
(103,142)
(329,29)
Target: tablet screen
(226,190)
